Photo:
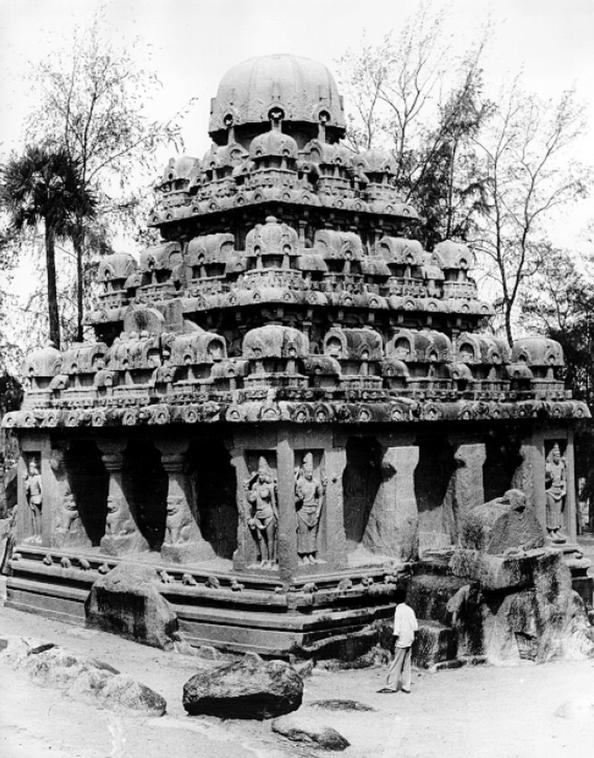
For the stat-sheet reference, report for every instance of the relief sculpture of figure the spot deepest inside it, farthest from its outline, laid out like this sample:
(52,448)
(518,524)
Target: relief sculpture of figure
(309,494)
(262,512)
(178,526)
(34,496)
(118,521)
(70,513)
(556,492)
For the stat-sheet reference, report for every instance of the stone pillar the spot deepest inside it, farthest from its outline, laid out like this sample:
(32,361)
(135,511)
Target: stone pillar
(569,515)
(467,486)
(287,517)
(121,533)
(68,529)
(332,512)
(393,521)
(183,541)
(530,475)
(244,554)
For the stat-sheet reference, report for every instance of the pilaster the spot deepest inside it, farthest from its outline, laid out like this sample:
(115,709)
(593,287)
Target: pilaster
(392,528)
(183,541)
(467,488)
(121,532)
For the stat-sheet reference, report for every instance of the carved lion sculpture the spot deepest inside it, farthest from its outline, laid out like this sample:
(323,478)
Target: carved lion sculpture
(178,527)
(69,515)
(118,522)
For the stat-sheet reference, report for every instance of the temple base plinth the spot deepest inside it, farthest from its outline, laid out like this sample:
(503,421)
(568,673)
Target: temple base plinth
(189,552)
(123,544)
(71,539)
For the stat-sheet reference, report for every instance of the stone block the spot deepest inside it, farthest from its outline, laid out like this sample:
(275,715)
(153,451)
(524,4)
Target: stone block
(429,594)
(504,523)
(126,601)
(309,731)
(494,572)
(246,689)
(433,643)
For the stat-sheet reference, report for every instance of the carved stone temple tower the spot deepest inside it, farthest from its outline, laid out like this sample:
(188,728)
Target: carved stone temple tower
(288,399)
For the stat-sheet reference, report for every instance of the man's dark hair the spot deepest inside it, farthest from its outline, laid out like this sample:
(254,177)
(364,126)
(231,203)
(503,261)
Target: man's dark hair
(400,595)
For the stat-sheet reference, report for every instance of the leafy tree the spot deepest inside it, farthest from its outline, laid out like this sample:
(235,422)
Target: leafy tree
(92,100)
(560,303)
(44,185)
(406,98)
(528,174)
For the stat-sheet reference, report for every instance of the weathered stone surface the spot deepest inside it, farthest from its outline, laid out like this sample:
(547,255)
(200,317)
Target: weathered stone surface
(308,730)
(544,622)
(83,677)
(247,689)
(7,539)
(433,643)
(127,602)
(492,571)
(393,521)
(502,524)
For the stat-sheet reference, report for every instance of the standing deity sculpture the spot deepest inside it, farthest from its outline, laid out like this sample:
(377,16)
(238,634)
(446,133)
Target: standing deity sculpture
(556,493)
(262,512)
(309,494)
(34,496)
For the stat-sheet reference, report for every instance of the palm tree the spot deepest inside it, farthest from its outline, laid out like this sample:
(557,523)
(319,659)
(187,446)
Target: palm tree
(44,185)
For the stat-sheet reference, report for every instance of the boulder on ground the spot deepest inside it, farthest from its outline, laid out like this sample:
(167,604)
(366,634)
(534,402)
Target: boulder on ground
(126,601)
(82,677)
(308,730)
(246,689)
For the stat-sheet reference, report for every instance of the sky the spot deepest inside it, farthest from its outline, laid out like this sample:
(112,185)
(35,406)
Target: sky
(193,42)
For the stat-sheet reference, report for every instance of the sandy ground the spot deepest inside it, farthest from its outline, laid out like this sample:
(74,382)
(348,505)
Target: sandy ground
(473,712)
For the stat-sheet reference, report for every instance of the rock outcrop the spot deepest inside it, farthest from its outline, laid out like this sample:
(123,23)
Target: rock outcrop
(79,676)
(309,731)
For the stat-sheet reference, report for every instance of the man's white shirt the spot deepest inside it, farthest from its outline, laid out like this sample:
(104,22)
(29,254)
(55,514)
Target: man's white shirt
(405,625)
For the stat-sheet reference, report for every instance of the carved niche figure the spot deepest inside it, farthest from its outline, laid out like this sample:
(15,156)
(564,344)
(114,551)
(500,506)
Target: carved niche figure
(309,494)
(262,512)
(178,527)
(118,521)
(556,492)
(69,515)
(34,495)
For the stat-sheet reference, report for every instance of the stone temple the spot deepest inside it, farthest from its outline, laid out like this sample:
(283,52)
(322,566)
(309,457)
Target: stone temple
(289,401)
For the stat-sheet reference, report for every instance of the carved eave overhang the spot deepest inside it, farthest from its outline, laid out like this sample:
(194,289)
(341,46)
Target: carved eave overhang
(401,410)
(268,201)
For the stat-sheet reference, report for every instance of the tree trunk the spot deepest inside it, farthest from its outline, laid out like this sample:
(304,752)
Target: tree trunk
(78,242)
(508,326)
(52,293)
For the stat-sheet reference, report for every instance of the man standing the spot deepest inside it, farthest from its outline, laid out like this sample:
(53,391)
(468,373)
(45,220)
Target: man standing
(405,626)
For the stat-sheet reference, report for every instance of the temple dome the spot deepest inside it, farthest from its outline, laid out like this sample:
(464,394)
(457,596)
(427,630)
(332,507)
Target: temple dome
(302,88)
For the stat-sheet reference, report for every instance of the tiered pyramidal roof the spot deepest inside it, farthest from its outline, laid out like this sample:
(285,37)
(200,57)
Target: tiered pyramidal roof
(289,286)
